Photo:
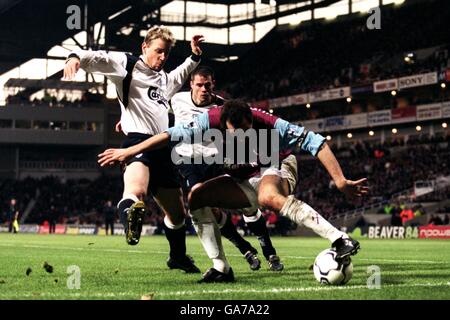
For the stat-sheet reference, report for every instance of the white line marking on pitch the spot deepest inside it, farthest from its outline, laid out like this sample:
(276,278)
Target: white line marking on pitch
(220,292)
(230,255)
(301,289)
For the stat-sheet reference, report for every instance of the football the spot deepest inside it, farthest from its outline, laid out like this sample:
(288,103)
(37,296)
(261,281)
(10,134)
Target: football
(328,270)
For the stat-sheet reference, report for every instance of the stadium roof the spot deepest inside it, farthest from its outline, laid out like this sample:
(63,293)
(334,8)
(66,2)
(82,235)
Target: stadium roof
(29,28)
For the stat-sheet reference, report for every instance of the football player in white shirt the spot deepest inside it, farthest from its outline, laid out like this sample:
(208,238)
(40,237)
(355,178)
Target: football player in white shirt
(186,105)
(144,90)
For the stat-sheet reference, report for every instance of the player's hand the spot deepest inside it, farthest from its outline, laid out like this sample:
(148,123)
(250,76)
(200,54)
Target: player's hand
(111,156)
(195,44)
(353,189)
(118,126)
(71,68)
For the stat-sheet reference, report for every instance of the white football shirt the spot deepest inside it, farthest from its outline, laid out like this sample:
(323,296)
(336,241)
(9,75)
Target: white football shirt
(147,102)
(185,110)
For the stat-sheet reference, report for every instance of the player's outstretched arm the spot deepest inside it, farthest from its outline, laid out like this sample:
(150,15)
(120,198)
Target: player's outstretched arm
(179,75)
(296,138)
(109,64)
(111,156)
(349,187)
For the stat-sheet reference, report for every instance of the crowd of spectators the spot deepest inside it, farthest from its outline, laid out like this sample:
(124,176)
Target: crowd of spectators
(322,54)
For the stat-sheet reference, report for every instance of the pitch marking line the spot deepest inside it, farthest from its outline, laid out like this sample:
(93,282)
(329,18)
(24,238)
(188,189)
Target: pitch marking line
(219,292)
(299,289)
(230,255)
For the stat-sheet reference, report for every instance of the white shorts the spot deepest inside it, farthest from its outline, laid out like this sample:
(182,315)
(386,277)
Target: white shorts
(250,187)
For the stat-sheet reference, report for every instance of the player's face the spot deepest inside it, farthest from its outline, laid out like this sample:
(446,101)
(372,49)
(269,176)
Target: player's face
(156,53)
(202,88)
(245,125)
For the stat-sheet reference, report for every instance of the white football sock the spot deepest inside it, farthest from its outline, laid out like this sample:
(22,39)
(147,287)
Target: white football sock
(209,234)
(301,213)
(253,218)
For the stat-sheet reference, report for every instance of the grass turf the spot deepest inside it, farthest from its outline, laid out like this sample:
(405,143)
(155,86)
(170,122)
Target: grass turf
(110,269)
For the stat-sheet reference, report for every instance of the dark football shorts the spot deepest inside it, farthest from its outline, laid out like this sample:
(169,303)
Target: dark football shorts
(163,172)
(195,173)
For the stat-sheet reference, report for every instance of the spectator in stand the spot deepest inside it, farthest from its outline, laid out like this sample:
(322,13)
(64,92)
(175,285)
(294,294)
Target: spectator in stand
(396,220)
(388,208)
(15,224)
(11,214)
(52,219)
(418,210)
(406,214)
(109,212)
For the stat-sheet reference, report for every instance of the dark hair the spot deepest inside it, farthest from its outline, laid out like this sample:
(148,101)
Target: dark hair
(203,71)
(235,111)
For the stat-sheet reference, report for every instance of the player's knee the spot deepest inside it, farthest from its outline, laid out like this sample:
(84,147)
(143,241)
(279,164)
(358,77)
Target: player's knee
(196,197)
(269,200)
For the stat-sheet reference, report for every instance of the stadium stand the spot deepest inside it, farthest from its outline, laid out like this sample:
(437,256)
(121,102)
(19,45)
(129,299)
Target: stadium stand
(322,54)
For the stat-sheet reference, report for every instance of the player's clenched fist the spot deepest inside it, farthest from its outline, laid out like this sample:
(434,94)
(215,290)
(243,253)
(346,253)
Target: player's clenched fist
(195,44)
(71,68)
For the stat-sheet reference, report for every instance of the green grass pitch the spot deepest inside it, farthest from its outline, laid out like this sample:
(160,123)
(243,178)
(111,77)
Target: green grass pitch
(110,269)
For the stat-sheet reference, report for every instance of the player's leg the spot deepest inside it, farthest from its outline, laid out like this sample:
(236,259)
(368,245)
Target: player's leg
(131,207)
(256,222)
(171,202)
(229,231)
(257,225)
(166,187)
(195,174)
(272,195)
(222,192)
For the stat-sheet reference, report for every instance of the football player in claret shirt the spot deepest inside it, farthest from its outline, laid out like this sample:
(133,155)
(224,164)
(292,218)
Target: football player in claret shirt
(247,185)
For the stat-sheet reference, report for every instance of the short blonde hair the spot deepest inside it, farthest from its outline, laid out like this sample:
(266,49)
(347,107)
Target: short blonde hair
(160,32)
